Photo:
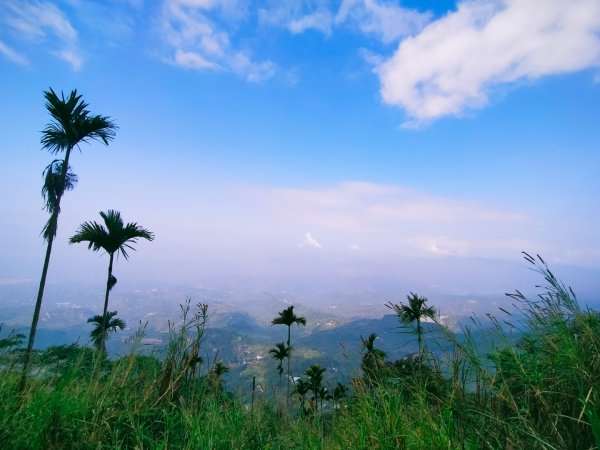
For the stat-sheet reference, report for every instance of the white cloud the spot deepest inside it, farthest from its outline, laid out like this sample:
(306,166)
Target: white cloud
(72,57)
(193,60)
(298,16)
(357,206)
(13,55)
(310,241)
(395,219)
(443,246)
(385,20)
(319,20)
(36,19)
(454,63)
(252,71)
(44,24)
(196,40)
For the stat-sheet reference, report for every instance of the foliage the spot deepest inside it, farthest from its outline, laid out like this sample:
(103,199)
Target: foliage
(416,311)
(102,326)
(373,361)
(53,189)
(71,125)
(11,341)
(540,392)
(279,353)
(288,318)
(114,238)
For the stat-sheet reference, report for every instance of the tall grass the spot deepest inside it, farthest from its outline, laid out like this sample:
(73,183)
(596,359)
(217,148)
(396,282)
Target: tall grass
(540,391)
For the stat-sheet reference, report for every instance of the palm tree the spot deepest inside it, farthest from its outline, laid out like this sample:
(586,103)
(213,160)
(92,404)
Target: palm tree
(115,238)
(339,393)
(102,326)
(71,125)
(217,371)
(301,388)
(315,380)
(373,360)
(279,353)
(415,311)
(288,318)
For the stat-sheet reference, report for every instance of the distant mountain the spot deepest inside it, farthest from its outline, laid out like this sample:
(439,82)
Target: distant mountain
(239,330)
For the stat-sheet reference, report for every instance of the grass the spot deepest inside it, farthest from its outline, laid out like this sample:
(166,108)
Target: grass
(541,391)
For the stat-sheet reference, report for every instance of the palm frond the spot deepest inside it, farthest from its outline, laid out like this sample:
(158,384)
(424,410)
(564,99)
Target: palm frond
(54,187)
(415,310)
(301,387)
(288,318)
(102,326)
(72,123)
(219,369)
(369,343)
(49,229)
(113,236)
(93,233)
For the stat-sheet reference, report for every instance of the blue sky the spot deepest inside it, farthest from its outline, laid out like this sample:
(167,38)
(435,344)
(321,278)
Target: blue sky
(311,132)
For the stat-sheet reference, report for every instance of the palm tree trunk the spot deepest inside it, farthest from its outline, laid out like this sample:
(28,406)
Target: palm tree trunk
(288,383)
(40,295)
(36,314)
(419,339)
(105,310)
(288,364)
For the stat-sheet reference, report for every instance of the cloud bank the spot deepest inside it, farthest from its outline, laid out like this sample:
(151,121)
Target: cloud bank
(455,62)
(392,219)
(429,66)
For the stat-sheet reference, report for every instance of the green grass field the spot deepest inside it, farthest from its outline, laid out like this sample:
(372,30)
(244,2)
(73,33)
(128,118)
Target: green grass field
(542,392)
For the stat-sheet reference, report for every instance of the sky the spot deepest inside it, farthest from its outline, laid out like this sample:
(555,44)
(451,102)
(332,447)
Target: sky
(309,136)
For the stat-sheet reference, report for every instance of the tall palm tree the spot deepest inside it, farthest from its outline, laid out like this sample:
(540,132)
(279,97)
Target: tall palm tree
(415,311)
(115,238)
(102,326)
(71,125)
(279,353)
(288,318)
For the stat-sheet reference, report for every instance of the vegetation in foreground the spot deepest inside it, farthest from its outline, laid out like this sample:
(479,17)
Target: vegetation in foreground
(541,392)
